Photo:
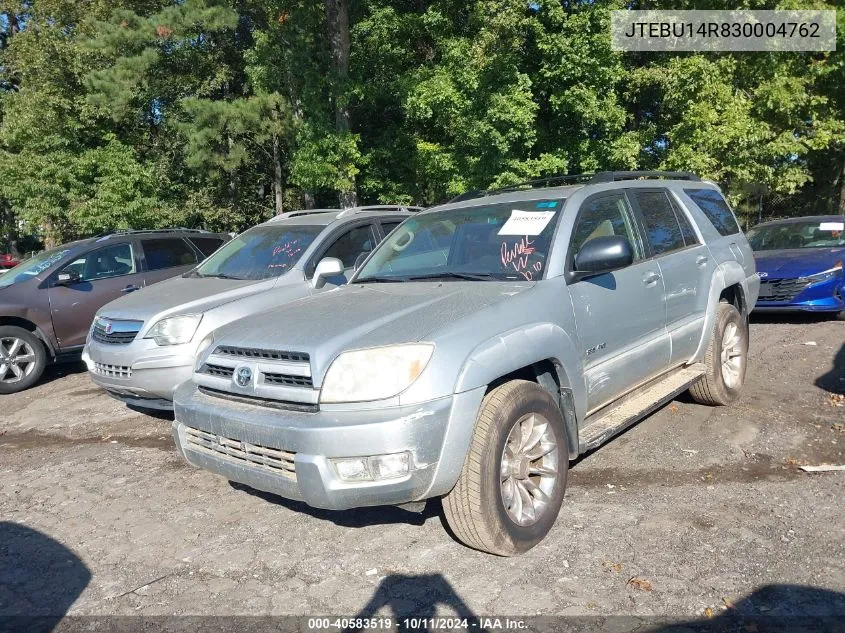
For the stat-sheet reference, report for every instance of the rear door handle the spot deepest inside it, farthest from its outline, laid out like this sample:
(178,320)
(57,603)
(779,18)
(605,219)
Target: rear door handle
(651,278)
(130,288)
(701,260)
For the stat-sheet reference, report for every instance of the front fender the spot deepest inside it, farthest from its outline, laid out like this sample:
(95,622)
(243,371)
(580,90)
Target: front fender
(522,347)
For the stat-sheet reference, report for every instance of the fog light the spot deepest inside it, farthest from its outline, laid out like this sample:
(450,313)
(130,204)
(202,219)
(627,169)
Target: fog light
(388,466)
(354,469)
(373,468)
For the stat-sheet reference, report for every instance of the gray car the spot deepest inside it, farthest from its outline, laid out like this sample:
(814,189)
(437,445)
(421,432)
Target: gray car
(142,346)
(481,347)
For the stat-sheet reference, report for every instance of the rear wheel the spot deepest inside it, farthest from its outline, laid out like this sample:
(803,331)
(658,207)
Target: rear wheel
(511,487)
(22,359)
(726,359)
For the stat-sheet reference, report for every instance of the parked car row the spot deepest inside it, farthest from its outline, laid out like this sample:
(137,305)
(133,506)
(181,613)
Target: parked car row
(389,355)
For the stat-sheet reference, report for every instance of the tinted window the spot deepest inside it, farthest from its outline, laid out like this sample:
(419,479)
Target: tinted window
(715,208)
(351,244)
(387,227)
(167,253)
(686,228)
(207,245)
(111,261)
(662,227)
(604,216)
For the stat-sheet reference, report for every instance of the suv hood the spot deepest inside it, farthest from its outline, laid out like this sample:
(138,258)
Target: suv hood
(366,315)
(797,262)
(182,295)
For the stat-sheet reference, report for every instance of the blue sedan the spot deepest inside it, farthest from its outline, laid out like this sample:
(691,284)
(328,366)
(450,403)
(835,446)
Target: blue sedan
(800,264)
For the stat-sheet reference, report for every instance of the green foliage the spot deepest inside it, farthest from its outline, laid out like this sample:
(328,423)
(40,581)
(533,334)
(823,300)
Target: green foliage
(147,113)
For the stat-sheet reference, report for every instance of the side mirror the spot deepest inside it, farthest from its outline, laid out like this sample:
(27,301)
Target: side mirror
(360,260)
(68,278)
(328,267)
(603,255)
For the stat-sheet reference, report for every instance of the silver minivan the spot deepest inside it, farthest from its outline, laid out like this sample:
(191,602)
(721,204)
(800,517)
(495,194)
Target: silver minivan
(142,346)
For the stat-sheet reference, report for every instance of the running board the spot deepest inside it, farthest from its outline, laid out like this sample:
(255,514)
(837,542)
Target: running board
(615,418)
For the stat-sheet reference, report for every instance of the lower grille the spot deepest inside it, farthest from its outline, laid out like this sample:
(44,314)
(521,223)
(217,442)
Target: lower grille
(781,289)
(279,461)
(112,371)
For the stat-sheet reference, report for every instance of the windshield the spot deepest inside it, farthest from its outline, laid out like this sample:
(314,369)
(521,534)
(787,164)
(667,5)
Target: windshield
(804,234)
(33,266)
(260,253)
(489,242)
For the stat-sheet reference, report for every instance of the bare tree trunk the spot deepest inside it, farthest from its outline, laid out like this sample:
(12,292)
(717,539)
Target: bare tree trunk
(842,189)
(309,200)
(337,20)
(278,184)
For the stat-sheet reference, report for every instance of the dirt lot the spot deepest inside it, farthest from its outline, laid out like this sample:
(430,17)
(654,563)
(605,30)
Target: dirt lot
(691,511)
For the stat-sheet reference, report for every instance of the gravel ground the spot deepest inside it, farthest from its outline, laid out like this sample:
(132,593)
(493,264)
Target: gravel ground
(692,511)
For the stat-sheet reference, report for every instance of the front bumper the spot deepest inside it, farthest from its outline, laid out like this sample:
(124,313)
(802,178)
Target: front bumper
(828,296)
(139,374)
(436,433)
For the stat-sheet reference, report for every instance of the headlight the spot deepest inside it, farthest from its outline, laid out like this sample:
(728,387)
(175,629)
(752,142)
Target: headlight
(175,330)
(824,275)
(375,373)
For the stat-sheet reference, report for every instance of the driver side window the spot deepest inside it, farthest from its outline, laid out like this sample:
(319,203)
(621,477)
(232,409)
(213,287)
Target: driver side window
(603,216)
(111,261)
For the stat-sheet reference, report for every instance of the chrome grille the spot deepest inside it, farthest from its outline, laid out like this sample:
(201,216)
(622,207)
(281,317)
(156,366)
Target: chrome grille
(262,354)
(112,371)
(122,332)
(782,289)
(217,370)
(279,461)
(290,381)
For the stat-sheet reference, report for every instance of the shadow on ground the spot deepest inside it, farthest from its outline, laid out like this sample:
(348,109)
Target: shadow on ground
(60,370)
(39,579)
(796,318)
(834,380)
(426,602)
(355,518)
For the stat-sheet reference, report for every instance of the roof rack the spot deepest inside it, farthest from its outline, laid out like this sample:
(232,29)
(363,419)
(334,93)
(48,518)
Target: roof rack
(593,179)
(296,214)
(612,176)
(177,229)
(379,207)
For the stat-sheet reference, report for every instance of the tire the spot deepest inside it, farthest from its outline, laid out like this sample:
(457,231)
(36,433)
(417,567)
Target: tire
(721,386)
(17,344)
(476,509)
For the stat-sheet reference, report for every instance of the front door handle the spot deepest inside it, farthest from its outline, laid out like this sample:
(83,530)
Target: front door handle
(651,278)
(701,260)
(130,288)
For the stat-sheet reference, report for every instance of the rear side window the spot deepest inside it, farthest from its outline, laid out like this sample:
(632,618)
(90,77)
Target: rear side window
(715,208)
(207,245)
(662,226)
(163,253)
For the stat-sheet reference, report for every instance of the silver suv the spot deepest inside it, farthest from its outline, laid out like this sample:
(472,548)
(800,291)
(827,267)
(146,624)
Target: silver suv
(142,346)
(481,347)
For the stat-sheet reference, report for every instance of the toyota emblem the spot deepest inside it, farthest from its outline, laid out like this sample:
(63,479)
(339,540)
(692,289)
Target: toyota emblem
(243,376)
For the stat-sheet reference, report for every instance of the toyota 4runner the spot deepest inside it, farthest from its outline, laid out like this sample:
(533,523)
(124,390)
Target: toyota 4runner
(482,346)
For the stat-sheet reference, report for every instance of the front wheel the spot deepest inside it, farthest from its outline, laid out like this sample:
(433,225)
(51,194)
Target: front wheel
(726,359)
(22,359)
(511,487)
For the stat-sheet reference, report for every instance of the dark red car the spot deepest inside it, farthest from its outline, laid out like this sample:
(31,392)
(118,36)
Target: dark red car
(7,261)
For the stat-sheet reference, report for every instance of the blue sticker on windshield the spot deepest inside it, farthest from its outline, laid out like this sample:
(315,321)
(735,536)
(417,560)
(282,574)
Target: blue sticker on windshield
(549,204)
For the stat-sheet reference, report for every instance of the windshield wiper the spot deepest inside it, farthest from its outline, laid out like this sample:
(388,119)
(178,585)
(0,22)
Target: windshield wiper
(219,276)
(381,279)
(460,276)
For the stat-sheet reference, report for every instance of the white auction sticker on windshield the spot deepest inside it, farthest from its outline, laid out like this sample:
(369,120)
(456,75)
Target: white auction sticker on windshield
(832,226)
(526,222)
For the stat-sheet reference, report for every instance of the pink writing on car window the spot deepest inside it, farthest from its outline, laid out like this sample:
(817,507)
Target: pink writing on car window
(289,250)
(516,256)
